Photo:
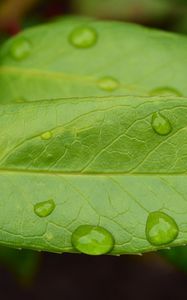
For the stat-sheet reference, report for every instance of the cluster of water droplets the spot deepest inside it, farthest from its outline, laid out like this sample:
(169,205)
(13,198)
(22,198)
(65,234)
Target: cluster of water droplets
(83,37)
(87,239)
(161,229)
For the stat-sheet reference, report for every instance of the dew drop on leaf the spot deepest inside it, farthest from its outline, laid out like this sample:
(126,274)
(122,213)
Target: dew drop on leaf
(83,37)
(45,208)
(160,124)
(165,91)
(161,229)
(46,135)
(20,48)
(92,240)
(108,84)
(48,236)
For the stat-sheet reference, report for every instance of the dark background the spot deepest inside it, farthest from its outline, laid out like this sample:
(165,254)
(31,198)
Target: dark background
(27,275)
(70,276)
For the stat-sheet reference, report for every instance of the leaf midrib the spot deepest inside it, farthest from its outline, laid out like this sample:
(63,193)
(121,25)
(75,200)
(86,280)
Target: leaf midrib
(58,173)
(50,74)
(91,80)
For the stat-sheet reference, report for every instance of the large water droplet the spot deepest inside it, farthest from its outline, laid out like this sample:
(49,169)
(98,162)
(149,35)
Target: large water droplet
(83,37)
(160,124)
(165,91)
(45,208)
(161,229)
(20,48)
(109,84)
(46,135)
(92,240)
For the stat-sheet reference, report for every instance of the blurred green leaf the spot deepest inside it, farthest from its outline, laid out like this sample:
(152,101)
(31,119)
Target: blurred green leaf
(23,263)
(3,37)
(177,256)
(135,58)
(181,26)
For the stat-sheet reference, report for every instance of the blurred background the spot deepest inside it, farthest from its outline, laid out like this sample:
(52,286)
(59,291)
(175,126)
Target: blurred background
(29,275)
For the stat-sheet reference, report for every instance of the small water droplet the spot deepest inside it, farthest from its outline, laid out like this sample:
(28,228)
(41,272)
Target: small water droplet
(46,135)
(45,208)
(109,84)
(48,236)
(160,124)
(83,37)
(165,91)
(92,240)
(20,48)
(161,229)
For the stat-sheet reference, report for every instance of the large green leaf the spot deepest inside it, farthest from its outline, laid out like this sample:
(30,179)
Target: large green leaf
(100,161)
(139,60)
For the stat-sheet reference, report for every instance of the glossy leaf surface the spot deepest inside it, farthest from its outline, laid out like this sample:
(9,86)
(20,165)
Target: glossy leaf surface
(44,63)
(102,164)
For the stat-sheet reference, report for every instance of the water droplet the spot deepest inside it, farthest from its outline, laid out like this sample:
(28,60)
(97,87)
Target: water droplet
(108,84)
(83,37)
(160,124)
(48,236)
(161,229)
(20,48)
(92,240)
(165,91)
(46,135)
(45,208)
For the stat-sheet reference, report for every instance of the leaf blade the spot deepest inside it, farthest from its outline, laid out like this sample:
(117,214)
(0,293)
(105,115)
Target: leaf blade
(138,58)
(123,198)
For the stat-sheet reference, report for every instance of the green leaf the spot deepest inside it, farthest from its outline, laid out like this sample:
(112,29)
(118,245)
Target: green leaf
(93,161)
(43,63)
(118,162)
(22,263)
(3,37)
(177,256)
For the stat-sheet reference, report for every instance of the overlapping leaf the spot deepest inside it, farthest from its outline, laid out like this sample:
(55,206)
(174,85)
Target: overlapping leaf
(139,59)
